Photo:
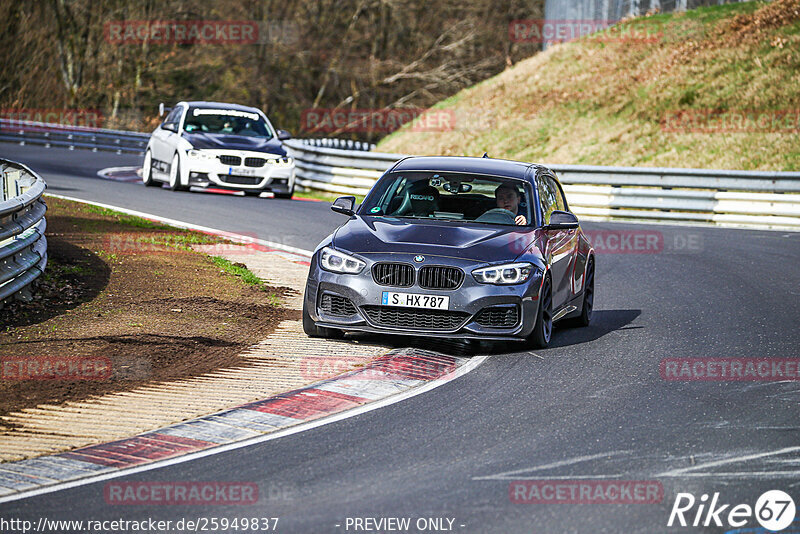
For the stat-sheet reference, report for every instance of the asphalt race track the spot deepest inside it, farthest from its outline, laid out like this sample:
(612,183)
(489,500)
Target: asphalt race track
(593,406)
(74,174)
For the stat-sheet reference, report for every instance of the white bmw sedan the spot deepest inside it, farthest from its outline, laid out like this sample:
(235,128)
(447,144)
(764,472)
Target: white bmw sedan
(226,146)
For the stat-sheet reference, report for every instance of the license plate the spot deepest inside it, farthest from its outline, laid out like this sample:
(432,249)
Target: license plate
(413,300)
(243,172)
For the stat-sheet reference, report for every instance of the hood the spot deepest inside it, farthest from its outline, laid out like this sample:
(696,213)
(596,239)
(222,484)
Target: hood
(234,142)
(478,242)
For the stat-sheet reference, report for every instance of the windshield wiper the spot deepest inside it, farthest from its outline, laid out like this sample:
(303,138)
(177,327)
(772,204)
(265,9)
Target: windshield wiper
(445,219)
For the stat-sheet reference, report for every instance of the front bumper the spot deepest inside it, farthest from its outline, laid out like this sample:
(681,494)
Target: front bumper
(462,319)
(209,171)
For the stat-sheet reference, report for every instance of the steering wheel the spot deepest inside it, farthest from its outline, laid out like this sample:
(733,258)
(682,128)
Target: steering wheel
(497,216)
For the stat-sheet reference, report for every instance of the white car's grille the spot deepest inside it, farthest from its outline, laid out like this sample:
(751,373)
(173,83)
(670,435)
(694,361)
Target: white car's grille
(230,160)
(254,162)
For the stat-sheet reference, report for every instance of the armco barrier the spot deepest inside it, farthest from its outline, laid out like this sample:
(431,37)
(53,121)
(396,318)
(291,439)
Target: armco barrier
(42,133)
(336,170)
(756,199)
(23,247)
(58,135)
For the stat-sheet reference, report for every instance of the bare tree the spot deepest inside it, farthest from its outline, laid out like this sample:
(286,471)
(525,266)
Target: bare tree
(376,54)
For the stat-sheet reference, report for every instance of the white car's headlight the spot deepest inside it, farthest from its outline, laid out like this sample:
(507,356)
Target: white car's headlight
(281,162)
(198,154)
(510,273)
(339,262)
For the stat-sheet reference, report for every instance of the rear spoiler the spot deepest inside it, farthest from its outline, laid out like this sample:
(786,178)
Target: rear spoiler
(162,109)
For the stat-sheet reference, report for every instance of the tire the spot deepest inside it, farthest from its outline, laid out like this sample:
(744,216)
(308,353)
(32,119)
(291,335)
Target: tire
(284,195)
(543,329)
(175,174)
(312,330)
(147,171)
(588,296)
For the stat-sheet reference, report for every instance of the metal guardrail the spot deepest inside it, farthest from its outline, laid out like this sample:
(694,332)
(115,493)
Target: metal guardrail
(333,142)
(350,172)
(23,246)
(756,199)
(58,135)
(42,133)
(738,198)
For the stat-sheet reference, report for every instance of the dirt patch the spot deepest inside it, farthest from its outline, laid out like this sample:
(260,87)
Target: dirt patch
(129,292)
(751,26)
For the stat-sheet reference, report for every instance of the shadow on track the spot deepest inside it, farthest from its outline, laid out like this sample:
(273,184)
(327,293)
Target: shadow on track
(452,347)
(603,322)
(54,188)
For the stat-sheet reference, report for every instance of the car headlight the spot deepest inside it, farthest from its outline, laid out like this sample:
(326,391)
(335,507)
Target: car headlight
(510,273)
(197,154)
(281,162)
(339,262)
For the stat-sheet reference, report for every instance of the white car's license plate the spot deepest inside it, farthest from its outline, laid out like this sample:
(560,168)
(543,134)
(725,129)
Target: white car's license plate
(243,172)
(413,300)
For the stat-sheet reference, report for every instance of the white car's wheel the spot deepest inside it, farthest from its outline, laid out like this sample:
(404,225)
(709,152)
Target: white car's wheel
(174,175)
(288,194)
(147,170)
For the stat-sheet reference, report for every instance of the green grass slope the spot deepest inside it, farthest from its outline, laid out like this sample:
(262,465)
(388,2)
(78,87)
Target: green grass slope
(715,87)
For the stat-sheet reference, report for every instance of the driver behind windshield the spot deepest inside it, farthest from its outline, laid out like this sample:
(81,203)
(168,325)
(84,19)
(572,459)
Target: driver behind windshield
(508,198)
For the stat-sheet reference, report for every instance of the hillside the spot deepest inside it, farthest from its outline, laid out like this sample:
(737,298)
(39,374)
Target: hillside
(715,87)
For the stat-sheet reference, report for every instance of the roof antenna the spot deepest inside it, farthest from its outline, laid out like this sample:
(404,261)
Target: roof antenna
(485,154)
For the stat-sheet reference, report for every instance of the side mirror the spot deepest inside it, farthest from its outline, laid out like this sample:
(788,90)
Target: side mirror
(283,135)
(562,220)
(344,205)
(161,109)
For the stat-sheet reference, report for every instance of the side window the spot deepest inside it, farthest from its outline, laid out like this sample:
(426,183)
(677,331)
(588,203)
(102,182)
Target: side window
(172,120)
(548,196)
(561,202)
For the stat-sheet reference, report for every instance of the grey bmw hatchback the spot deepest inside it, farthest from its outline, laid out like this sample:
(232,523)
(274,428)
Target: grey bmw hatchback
(454,247)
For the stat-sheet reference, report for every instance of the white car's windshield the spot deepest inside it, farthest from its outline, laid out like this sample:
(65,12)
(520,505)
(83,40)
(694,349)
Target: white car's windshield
(227,122)
(450,196)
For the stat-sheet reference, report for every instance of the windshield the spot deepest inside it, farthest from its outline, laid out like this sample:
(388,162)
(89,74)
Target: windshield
(450,196)
(226,121)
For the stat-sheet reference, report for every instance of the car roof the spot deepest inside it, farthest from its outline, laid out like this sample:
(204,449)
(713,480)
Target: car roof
(220,105)
(487,166)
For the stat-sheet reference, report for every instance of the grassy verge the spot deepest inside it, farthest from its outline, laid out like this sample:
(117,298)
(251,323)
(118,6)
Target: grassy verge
(714,87)
(325,196)
(247,277)
(132,292)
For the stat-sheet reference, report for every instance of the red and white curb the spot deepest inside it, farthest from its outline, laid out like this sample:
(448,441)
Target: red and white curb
(396,376)
(400,374)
